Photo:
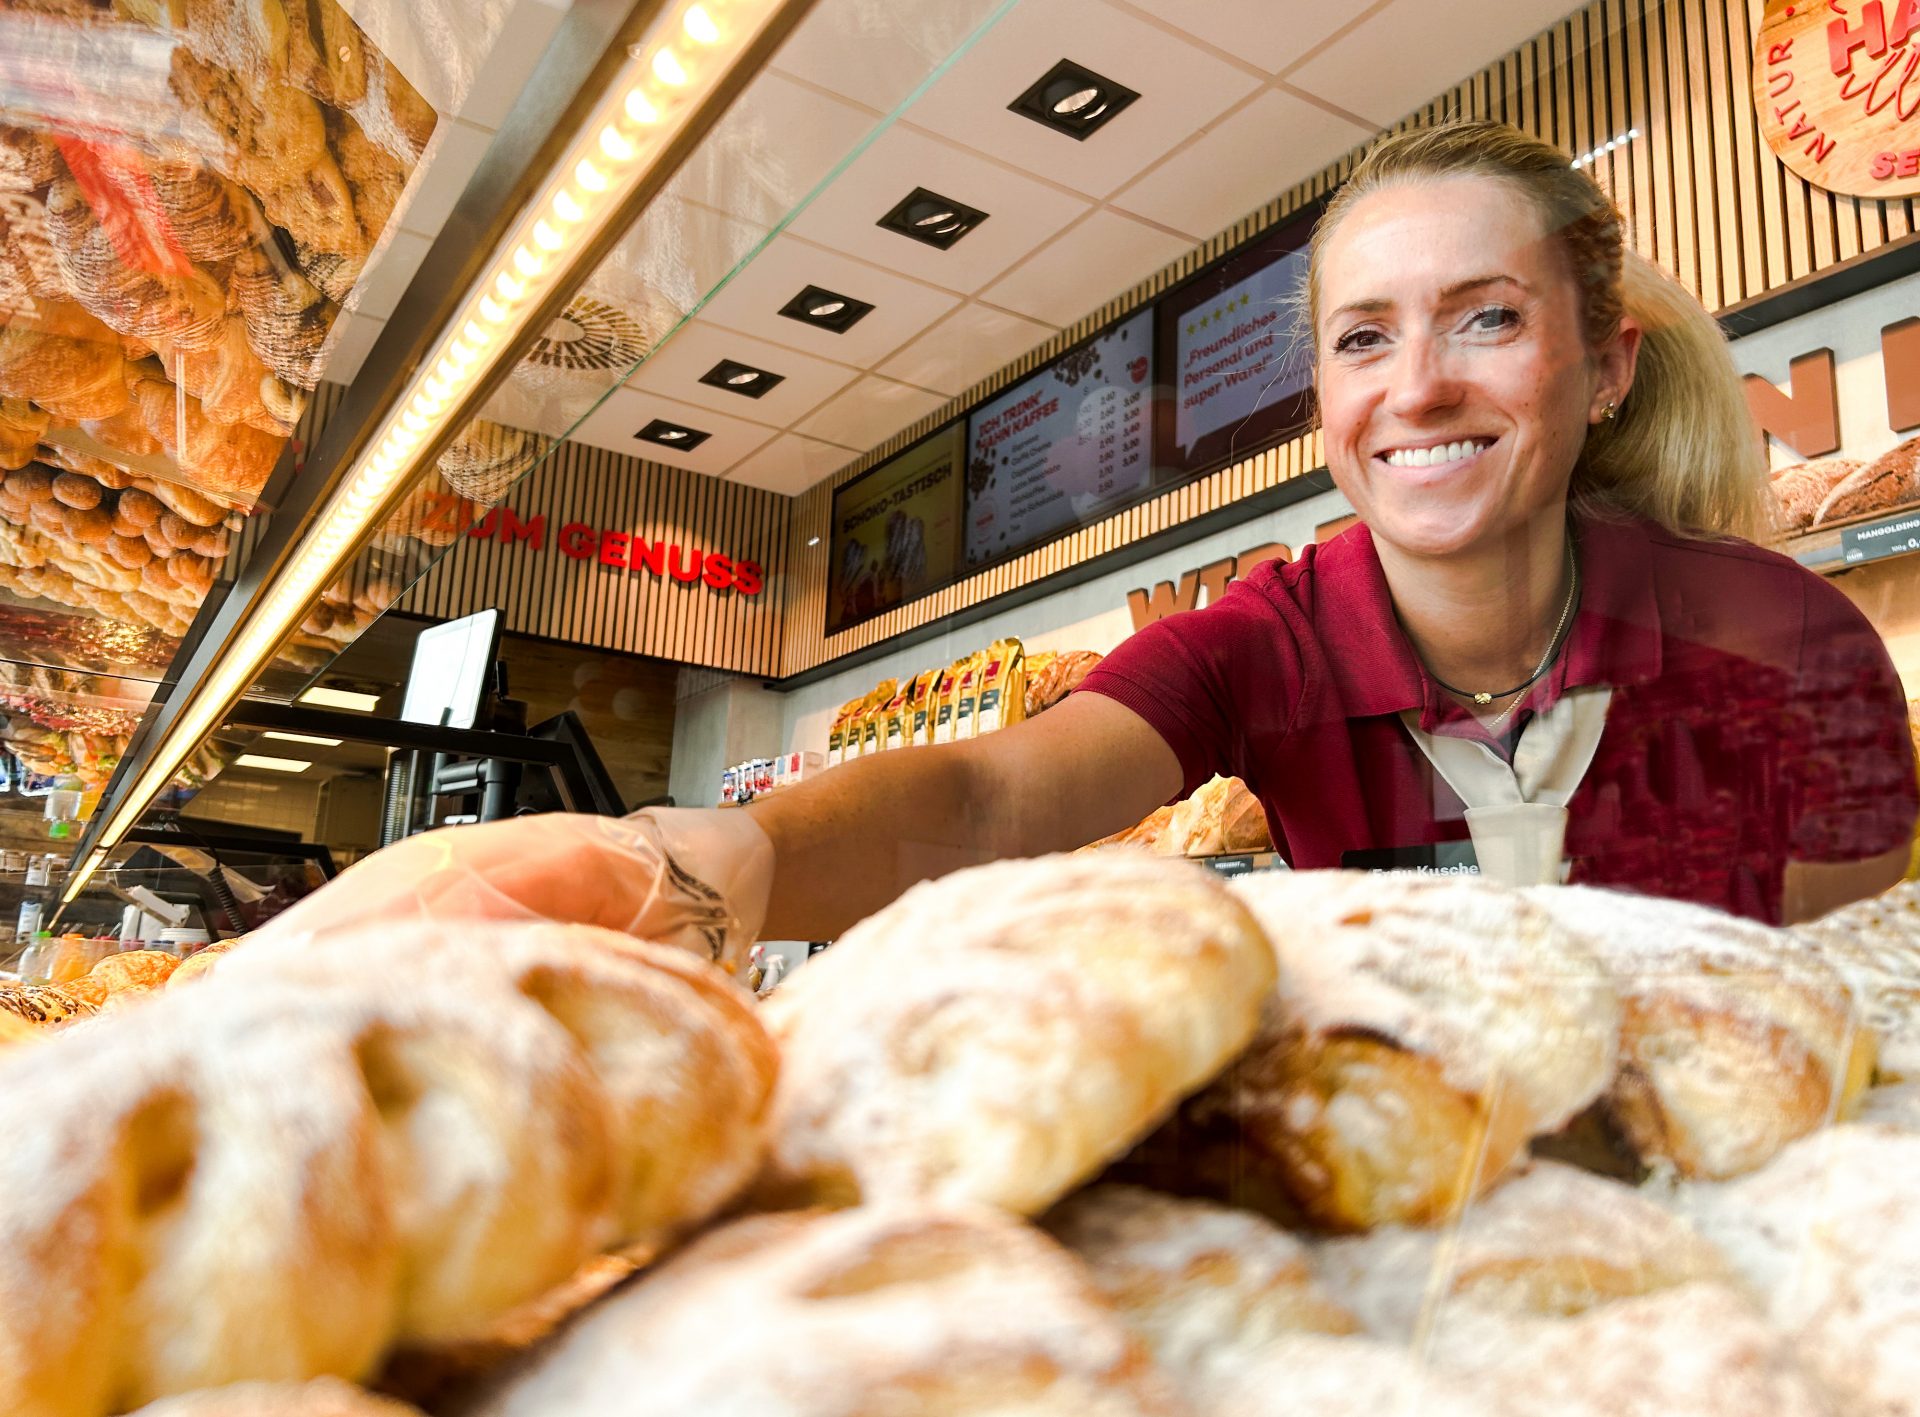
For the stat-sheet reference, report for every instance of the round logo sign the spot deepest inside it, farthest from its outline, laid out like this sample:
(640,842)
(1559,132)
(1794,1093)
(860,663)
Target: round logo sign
(1837,86)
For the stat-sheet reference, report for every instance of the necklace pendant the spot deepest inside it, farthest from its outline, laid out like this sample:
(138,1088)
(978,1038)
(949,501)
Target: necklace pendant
(1483,699)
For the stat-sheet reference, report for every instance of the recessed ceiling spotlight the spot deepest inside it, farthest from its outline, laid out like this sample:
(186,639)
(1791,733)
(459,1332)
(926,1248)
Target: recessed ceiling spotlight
(672,435)
(1072,99)
(826,309)
(931,218)
(738,378)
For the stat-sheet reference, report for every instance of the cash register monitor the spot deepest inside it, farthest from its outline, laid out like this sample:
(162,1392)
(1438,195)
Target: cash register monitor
(452,667)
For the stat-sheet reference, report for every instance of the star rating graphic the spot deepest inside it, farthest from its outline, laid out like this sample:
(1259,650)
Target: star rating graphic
(1220,313)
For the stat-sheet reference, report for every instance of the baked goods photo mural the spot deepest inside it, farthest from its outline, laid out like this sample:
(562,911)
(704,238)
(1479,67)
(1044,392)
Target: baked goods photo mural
(177,238)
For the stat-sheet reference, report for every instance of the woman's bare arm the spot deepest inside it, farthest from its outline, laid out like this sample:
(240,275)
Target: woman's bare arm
(852,840)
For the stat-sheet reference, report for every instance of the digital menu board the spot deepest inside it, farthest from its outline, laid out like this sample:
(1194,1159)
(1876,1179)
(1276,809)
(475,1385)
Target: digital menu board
(1238,364)
(1065,447)
(896,530)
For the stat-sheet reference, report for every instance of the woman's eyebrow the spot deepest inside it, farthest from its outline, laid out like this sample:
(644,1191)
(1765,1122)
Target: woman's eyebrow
(1376,304)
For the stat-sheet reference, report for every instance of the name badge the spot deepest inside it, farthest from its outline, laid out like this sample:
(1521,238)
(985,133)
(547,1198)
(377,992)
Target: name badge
(1443,858)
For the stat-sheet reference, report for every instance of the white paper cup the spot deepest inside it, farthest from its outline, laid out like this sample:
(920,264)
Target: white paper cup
(1520,844)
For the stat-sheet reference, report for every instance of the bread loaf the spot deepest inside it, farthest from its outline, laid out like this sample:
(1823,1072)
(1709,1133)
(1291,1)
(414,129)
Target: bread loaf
(398,1138)
(1736,1039)
(1874,944)
(134,971)
(896,1309)
(997,1035)
(323,1397)
(1203,1285)
(200,964)
(1422,1030)
(1799,490)
(1552,1242)
(1890,480)
(1828,1234)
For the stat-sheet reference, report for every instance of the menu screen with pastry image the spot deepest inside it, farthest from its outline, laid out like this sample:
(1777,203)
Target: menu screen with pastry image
(896,530)
(1066,447)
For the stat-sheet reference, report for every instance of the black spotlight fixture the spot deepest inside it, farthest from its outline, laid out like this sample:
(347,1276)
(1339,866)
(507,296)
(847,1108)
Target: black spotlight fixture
(931,218)
(826,310)
(1070,98)
(672,435)
(742,379)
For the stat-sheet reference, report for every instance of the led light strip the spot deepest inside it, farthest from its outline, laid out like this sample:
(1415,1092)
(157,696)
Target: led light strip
(684,57)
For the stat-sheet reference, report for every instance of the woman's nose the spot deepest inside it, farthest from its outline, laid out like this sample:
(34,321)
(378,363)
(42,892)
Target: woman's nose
(1422,377)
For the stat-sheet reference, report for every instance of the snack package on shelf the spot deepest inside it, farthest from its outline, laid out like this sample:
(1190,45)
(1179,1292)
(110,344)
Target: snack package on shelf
(966,694)
(1003,687)
(945,701)
(837,735)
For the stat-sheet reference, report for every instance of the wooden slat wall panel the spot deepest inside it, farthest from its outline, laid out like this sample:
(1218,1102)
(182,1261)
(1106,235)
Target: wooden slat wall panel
(547,593)
(1703,195)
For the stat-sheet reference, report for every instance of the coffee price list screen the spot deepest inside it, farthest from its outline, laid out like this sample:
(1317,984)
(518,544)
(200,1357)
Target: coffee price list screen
(1063,448)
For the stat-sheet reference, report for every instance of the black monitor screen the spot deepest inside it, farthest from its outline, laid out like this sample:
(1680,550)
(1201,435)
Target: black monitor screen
(896,530)
(1236,361)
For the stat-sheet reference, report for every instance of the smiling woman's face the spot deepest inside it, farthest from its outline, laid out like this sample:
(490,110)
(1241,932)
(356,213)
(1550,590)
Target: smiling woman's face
(1456,385)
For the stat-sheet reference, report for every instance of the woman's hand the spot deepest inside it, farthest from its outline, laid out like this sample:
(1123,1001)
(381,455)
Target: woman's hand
(696,879)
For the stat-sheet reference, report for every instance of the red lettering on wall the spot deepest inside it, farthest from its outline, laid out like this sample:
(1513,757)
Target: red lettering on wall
(1870,34)
(613,548)
(747,578)
(578,541)
(719,571)
(1806,420)
(683,570)
(1781,52)
(651,554)
(512,529)
(1820,148)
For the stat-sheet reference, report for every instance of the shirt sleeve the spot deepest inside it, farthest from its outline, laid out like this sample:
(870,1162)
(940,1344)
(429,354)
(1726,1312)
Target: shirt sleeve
(1210,682)
(1853,793)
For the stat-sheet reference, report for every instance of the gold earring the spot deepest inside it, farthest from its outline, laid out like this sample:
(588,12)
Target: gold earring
(1609,411)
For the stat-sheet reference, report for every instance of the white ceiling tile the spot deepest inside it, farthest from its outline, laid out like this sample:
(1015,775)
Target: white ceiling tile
(390,273)
(1406,54)
(348,341)
(675,368)
(773,147)
(875,53)
(751,302)
(445,168)
(1270,34)
(676,255)
(871,412)
(509,64)
(791,464)
(964,348)
(1181,88)
(1252,156)
(1021,213)
(1097,260)
(626,411)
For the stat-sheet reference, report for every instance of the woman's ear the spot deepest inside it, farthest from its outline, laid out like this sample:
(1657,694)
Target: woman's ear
(1616,360)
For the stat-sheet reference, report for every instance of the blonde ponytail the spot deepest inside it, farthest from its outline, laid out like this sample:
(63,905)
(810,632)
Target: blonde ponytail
(1681,451)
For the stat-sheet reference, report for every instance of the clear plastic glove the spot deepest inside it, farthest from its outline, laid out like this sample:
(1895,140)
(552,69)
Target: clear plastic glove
(697,879)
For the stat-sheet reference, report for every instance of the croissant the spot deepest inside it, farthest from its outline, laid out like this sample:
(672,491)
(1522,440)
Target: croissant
(186,310)
(21,428)
(125,432)
(213,219)
(224,460)
(374,175)
(228,379)
(330,272)
(71,379)
(287,317)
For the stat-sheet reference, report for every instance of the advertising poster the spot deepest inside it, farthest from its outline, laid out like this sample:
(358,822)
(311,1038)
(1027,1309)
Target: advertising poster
(1236,355)
(896,530)
(1064,447)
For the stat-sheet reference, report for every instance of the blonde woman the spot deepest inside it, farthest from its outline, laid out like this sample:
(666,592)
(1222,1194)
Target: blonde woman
(1547,650)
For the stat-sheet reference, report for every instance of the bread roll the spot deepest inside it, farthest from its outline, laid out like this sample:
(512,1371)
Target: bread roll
(22,426)
(1422,1030)
(1828,1233)
(896,1309)
(1203,1284)
(279,1174)
(200,964)
(1552,1242)
(1874,944)
(323,1397)
(42,1003)
(997,1035)
(135,971)
(1736,1038)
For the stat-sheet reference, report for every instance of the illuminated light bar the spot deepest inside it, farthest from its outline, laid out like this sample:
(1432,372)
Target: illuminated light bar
(341,699)
(267,763)
(682,60)
(303,738)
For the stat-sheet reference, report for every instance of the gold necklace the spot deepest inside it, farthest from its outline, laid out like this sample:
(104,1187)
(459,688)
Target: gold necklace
(1485,697)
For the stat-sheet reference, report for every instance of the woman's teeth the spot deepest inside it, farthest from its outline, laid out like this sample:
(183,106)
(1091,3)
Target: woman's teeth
(1430,457)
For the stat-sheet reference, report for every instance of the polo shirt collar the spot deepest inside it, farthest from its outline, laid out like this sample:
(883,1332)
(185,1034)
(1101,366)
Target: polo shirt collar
(1615,638)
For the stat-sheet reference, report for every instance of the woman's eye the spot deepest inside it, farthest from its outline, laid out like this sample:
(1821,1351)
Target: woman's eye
(1362,338)
(1493,319)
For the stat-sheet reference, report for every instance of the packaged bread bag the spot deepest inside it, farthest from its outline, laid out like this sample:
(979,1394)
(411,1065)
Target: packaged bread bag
(1003,686)
(966,695)
(897,718)
(872,725)
(922,707)
(837,735)
(946,700)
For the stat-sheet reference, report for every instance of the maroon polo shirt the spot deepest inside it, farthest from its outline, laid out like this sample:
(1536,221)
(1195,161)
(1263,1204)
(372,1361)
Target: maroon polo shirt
(1755,718)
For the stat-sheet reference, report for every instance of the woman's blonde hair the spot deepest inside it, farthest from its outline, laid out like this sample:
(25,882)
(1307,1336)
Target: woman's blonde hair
(1682,451)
